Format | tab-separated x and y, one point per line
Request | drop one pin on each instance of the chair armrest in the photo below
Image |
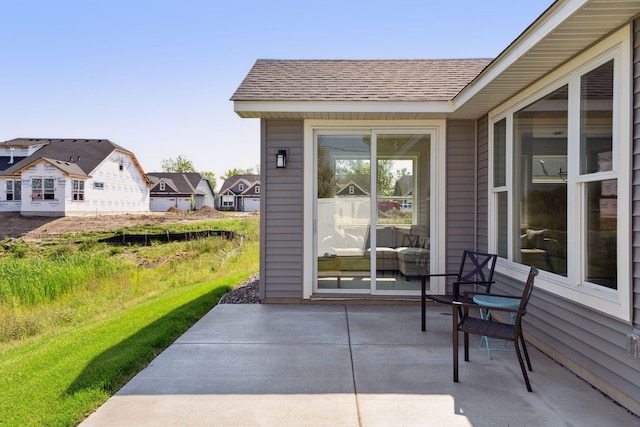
474	282
439	275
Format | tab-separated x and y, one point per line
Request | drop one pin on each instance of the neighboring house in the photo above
67	177
534	155
240	193
12	151
182	190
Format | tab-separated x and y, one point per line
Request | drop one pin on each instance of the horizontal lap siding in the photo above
577	335
636	175
483	185
460	190
282	213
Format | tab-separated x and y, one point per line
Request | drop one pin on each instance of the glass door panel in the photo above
402	245
343	212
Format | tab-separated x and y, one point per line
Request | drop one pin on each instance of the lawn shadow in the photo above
15	225
114	367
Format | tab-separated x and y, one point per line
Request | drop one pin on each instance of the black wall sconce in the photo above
281	159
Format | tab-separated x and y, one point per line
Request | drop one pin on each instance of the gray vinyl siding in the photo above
593	344
460	190
636	175
482	215
282	204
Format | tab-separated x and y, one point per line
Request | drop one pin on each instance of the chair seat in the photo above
487	328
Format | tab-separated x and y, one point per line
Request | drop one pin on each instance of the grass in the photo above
93	336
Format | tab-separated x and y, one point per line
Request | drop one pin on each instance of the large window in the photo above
560	170
42	189
540	141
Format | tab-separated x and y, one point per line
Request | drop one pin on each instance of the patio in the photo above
345	365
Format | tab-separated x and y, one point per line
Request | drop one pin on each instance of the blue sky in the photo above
156	76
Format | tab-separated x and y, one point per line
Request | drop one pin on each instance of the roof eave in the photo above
342	109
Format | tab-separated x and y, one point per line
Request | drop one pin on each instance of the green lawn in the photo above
59	379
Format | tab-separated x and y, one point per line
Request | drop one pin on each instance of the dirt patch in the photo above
14	225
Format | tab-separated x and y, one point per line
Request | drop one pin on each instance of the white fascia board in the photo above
343	106
533	35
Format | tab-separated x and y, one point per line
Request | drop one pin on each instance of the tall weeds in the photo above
42	290
36	280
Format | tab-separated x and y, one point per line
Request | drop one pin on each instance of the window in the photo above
78	189
499	185
228	201
257	189
560	168
363	179
42	189
241	187
98	185
162	186
540	141
14	189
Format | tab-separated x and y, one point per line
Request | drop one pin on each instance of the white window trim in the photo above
438	183
616	303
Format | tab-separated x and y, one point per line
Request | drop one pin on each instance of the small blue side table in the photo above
495	302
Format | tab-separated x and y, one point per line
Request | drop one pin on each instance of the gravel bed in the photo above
245	293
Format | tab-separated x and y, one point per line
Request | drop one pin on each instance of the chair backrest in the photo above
528	288
477	266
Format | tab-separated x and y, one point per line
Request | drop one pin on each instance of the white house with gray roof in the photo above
240	193
182	190
67	177
533	155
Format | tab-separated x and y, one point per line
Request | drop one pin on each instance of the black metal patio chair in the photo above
476	269
508	330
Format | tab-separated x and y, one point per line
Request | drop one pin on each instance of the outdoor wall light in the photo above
281	159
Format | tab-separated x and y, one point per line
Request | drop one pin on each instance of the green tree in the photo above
179	164
235	171
386	180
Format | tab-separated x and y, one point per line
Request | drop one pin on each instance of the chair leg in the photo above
522	368
524	350
466	347
455	346
424	304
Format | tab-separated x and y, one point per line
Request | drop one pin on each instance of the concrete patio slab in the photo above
345	365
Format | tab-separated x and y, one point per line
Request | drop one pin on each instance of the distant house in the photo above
11	152
240	193
67	177
185	191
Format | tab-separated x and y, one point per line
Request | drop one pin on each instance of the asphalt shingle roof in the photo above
182	182
358	80
85	154
233	180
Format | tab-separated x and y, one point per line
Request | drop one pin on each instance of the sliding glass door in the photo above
372	217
